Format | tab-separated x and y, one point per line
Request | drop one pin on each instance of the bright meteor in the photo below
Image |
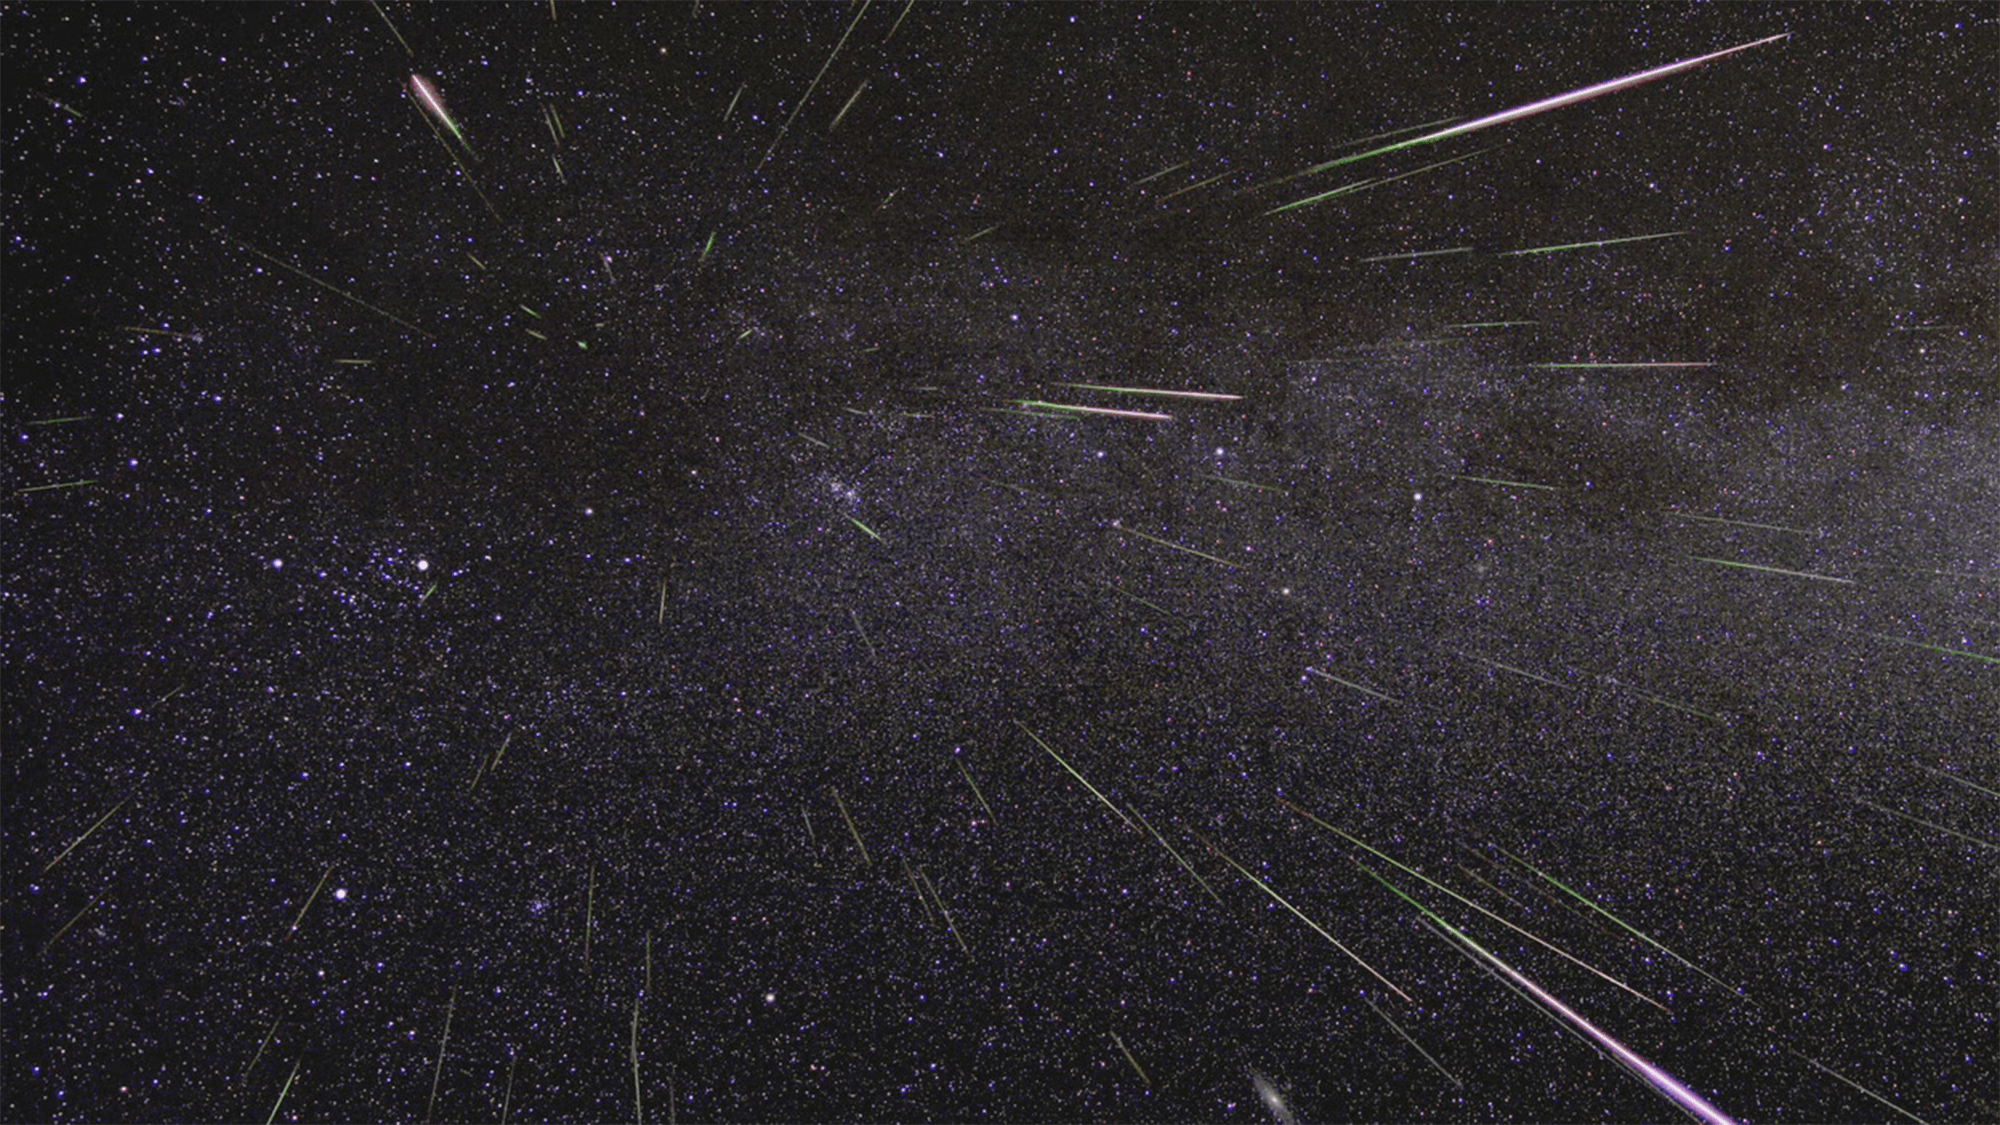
427	97
1532	109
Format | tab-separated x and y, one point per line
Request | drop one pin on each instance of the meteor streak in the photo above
1532	109
1317	928
1666	1084
427	97
1072	772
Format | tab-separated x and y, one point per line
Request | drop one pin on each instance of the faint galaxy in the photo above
586	563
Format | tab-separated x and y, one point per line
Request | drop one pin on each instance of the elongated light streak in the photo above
1203	396
427	97
1558	101
1105	411
1669	1087
1300	915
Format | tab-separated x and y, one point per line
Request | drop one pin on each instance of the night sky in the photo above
619	603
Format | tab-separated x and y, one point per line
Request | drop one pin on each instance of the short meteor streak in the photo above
918	888
1832	1073
280	1103
1317	928
54	487
188	336
1775	570
1217	178
1162	172
1662	700
1588	245
1241	483
1116	528
638	1100
71	924
1937	648
260	1049
1630	366
1104	411
1509	483
438	1073
1511	668
335	290
1932	825
1352	684
1976	787
310	899
1176	854
74	844
981	797
1743	523
1666	1084
392	28
949	924
1122	1049
899	21
842	115
1072	772
864	633
1203	396
1156	607
1364	185
1453	1078
864	527
866	860
1413	255
1559	101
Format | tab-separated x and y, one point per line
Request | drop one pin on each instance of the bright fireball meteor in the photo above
426	95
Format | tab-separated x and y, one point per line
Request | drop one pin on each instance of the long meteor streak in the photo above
1300	915
1669	1087
1582	94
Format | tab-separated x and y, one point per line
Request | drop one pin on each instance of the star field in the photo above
861	563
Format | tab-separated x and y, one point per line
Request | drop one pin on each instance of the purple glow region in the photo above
999	563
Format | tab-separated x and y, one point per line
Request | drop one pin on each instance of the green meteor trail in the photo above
1105	411
1587	901
1364	185
1774	570
1317	928
1072	772
864	527
1203	396
1122	530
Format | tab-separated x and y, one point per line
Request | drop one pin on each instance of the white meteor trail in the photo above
427	97
1531	109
